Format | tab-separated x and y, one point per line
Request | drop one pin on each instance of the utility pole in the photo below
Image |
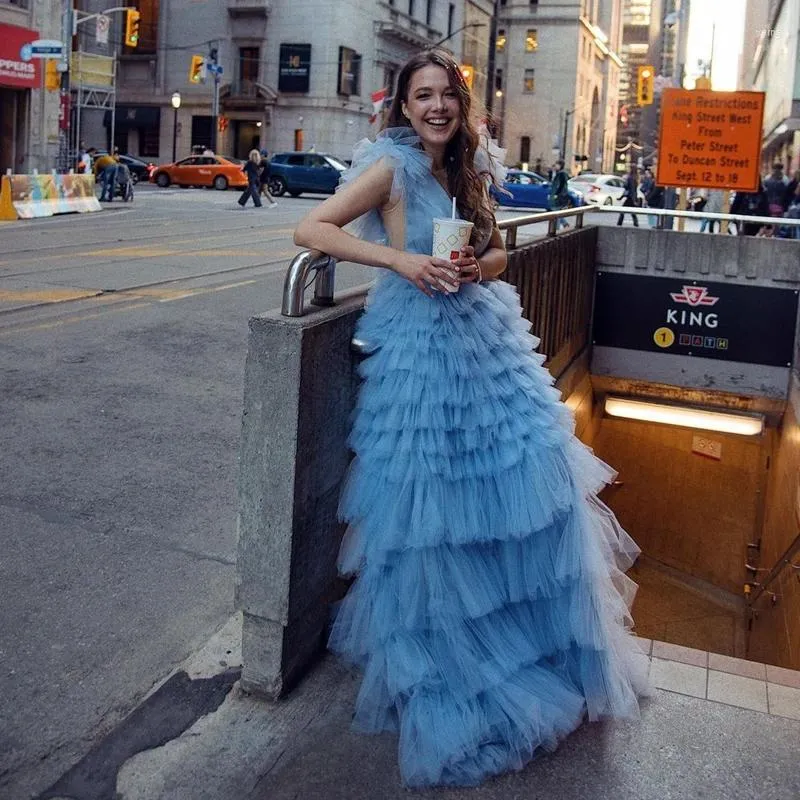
567	115
490	67
63	159
213	57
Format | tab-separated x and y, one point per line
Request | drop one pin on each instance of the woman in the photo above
263	177
485	614
629	196
252	169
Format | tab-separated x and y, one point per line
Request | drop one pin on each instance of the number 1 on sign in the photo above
664	337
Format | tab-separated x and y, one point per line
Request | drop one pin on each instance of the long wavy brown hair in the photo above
463	180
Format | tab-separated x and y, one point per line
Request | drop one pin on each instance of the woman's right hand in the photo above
426	272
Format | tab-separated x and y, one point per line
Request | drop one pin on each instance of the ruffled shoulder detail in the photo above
400	150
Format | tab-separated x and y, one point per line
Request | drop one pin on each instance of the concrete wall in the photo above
299	392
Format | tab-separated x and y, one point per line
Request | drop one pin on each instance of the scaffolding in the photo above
93	80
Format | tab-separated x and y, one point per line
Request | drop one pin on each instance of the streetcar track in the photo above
123	257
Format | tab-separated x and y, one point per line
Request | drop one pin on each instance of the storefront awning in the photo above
134	117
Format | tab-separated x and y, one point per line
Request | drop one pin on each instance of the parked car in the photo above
140	170
602	190
529	189
304	172
221	172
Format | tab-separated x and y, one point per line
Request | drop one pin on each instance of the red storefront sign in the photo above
13	70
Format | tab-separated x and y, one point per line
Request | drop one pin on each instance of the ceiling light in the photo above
723	421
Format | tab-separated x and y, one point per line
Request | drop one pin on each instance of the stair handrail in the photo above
785	560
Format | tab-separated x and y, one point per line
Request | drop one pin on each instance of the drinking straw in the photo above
453	216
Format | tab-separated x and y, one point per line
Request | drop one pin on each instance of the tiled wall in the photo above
775	636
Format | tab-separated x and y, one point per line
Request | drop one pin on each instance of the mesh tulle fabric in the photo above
490	614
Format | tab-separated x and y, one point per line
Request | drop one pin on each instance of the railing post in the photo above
295	284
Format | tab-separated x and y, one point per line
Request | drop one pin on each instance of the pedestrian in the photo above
629	195
751	204
559	192
84	166
654	199
789	194
775	187
263	177
252	168
207	151
714	201
105	168
487	613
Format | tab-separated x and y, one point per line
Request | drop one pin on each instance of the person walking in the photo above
263	177
252	168
714	201
559	192
752	204
488	612
629	195
775	187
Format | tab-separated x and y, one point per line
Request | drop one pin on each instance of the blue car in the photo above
529	190
296	173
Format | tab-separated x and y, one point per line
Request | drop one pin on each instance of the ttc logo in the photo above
694	296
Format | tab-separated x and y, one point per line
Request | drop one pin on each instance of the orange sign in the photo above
710	139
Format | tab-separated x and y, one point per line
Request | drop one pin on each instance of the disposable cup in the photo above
449	236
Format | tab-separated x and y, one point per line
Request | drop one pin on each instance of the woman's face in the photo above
433	107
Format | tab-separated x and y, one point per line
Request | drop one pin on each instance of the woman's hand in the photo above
469	269
427	272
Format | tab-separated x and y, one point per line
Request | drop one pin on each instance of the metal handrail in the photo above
294	285
784	561
324	265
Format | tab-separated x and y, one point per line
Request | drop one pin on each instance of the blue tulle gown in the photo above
490	612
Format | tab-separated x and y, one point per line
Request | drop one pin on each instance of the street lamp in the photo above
176	104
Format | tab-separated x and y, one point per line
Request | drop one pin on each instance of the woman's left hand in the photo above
469	265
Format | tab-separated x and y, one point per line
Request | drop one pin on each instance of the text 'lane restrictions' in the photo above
710	139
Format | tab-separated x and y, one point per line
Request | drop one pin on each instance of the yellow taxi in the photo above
220	172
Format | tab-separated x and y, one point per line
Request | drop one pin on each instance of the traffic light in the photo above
132	17
197	71
469	74
644	87
52	77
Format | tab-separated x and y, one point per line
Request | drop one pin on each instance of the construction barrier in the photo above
29	196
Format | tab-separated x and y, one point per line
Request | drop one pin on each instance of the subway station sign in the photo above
726	321
710	139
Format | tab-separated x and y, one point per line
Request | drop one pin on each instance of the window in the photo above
296	161
529	82
389	74
531	40
349	82
451	12
498	80
534	4
500	41
429	12
410	8
248	63
525	149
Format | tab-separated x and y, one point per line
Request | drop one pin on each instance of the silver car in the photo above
602	190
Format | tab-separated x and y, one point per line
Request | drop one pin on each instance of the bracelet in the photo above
480	273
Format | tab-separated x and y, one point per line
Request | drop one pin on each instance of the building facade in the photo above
773	67
634	54
29	111
557	81
296	74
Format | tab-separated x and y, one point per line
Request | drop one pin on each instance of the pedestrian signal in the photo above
645	85
52	77
197	71
132	17
469	74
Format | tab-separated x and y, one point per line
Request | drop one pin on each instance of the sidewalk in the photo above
699	737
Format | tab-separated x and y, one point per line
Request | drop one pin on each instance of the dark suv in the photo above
304	172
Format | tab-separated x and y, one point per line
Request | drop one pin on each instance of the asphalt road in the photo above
122	346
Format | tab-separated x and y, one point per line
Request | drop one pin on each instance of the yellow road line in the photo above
71	320
45	295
